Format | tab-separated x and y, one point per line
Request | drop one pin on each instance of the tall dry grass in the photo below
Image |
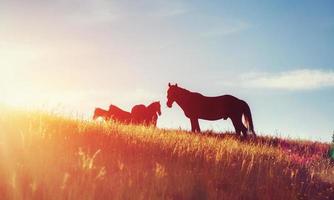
47	156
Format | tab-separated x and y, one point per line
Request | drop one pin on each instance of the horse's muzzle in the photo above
169	104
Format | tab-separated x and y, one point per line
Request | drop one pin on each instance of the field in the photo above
48	156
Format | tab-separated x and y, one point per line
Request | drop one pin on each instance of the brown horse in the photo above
119	115
99	112
146	115
196	106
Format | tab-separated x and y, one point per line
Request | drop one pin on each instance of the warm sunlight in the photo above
38	76
18	86
166	99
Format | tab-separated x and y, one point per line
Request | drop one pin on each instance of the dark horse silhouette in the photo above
196	106
140	114
114	113
119	115
146	115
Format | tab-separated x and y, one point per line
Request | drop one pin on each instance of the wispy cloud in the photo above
166	9
169	12
226	28
95	11
304	79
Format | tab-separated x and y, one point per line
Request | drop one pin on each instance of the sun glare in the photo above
19	82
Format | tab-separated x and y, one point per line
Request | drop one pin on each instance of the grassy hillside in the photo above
45	156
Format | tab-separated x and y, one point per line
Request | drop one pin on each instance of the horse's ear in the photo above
176	84
169	84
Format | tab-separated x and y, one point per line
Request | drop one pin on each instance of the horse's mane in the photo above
183	89
186	92
115	108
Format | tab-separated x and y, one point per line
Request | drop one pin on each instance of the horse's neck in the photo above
116	109
100	111
104	113
183	100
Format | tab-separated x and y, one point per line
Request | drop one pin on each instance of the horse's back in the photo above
214	107
144	115
139	113
138	108
225	97
119	114
223	100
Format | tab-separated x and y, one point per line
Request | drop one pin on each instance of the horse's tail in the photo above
248	117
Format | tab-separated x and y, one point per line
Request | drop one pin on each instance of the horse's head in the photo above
171	94
96	115
98	112
157	107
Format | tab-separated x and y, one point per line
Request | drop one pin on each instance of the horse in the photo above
196	106
146	115
119	115
99	112
154	110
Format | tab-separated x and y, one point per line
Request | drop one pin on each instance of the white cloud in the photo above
304	79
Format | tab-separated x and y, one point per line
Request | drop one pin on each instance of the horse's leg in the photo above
243	129
236	126
155	119
239	126
195	125
192	124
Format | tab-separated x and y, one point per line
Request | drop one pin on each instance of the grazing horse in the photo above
146	115
119	115
99	112
196	106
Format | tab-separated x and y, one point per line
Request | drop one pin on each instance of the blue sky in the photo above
78	54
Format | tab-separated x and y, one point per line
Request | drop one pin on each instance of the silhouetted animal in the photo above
119	115
99	112
146	115
196	106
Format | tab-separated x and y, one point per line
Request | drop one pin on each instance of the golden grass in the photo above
47	156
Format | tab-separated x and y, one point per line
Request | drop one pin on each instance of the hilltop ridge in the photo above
50	157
